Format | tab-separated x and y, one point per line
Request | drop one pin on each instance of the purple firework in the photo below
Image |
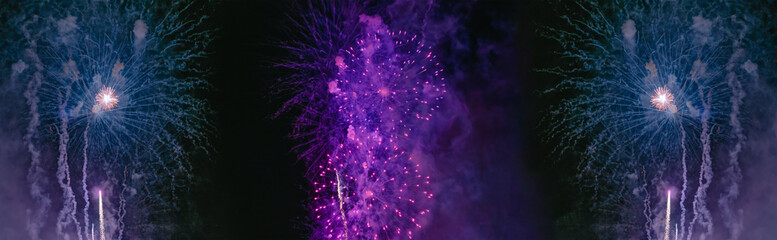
361	109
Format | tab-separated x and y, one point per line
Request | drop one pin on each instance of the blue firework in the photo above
647	89
117	87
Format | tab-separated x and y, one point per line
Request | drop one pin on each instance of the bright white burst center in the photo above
106	99
662	99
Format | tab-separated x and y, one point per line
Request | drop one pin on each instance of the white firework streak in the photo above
83	181
733	174
668	214
67	214
685	185
102	218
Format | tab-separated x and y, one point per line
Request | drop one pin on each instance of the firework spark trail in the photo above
668	214
65	28
35	173
733	174
340	202
701	212
685	184
83	181
122	204
102	218
67	214
647	210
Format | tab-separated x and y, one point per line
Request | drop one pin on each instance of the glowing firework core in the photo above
106	99
662	99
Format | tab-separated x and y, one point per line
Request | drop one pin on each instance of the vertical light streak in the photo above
102	224
35	172
702	214
732	175
67	214
647	210
340	198
685	183
122	211
668	214
83	180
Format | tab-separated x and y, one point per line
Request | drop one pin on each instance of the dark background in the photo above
257	186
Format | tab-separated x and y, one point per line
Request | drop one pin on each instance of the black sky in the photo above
255	183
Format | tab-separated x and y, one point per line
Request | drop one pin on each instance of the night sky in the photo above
495	168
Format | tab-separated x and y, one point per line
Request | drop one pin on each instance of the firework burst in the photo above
662	99
374	90
652	86
113	84
106	99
